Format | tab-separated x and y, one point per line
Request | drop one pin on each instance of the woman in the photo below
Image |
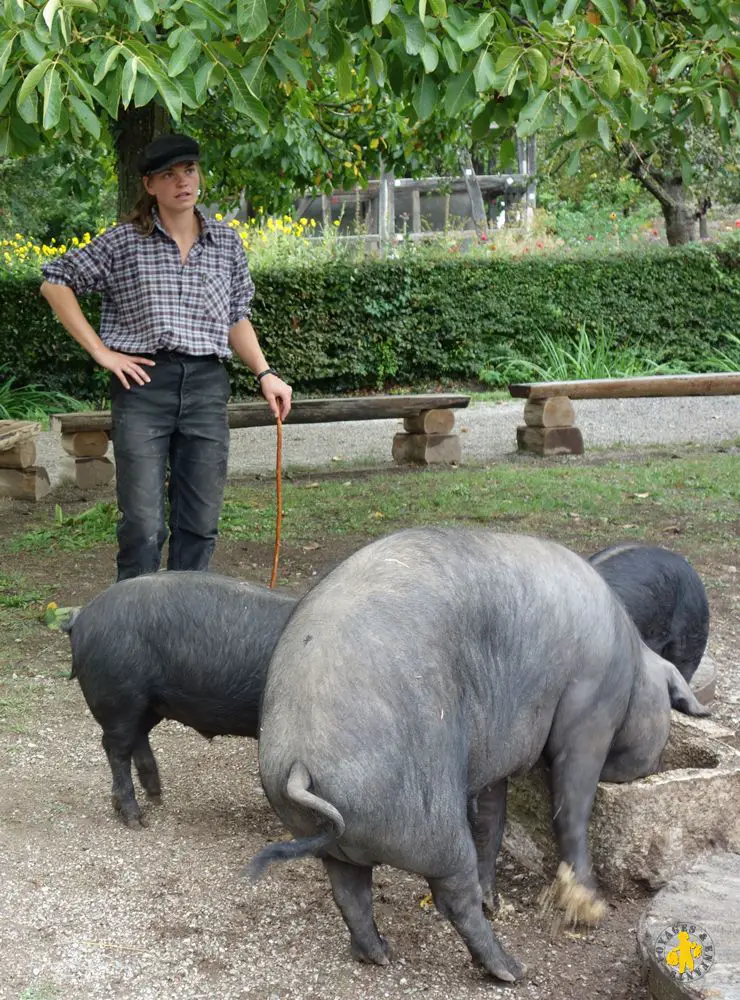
176	302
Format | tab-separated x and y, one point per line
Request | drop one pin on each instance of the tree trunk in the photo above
680	217
135	128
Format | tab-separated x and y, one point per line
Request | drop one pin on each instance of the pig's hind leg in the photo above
144	759
352	886
576	751
459	898
487	818
119	742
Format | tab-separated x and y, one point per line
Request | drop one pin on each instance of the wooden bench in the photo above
549	416
20	477
427	438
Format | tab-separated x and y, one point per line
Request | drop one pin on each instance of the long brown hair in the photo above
141	216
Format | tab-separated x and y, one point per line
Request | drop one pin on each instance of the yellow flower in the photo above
63	248
303	222
87	237
613	216
219	217
312	223
52	606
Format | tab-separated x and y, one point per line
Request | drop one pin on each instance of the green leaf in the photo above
686	171
211	12
344	77
128	81
52	99
482	122
507	156
531	115
86	117
14	12
251	18
439	7
28	109
88	5
574	162
422	10
104	66
430	57
539	65
724	102
569	9
633	71
416	36
6	93
145	9
459	92
549	7
32	80
6	143
682	60
509	55
49	12
452	54
290	62
245	101
297	22
425	98
33	46
183	54
378	66
379	10
532	11
201	79
484	73
144	91
611	82
604	134
638	115
6	47
477	34
608	9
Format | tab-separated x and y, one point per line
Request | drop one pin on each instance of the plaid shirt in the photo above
154	302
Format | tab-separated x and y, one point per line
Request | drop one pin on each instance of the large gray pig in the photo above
187	646
416	678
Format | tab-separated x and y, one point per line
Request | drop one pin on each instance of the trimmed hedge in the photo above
342	326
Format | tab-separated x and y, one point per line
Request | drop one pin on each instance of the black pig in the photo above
665	597
187	646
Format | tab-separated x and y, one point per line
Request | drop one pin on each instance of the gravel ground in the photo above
92	911
488	429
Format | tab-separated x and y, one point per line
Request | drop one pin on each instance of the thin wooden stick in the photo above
279	500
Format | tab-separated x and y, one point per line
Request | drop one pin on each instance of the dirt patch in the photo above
92	910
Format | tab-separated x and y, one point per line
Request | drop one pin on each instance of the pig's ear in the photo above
682	697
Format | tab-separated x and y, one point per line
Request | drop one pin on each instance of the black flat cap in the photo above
167	150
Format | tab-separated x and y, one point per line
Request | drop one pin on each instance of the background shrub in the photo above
338	325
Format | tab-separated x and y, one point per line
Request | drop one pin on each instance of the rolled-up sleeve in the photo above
242	286
84	270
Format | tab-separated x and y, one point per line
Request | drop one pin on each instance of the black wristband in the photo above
267	371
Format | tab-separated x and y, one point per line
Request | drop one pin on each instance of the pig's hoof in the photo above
375	955
132	817
506	968
155	798
578	903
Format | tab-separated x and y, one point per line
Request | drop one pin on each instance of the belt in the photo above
172	356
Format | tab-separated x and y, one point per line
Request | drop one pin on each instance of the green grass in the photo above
43	991
596	355
30	402
705	488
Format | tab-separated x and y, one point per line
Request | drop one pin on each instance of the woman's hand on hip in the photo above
124	366
278	394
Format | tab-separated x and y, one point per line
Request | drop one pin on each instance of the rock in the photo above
702	904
